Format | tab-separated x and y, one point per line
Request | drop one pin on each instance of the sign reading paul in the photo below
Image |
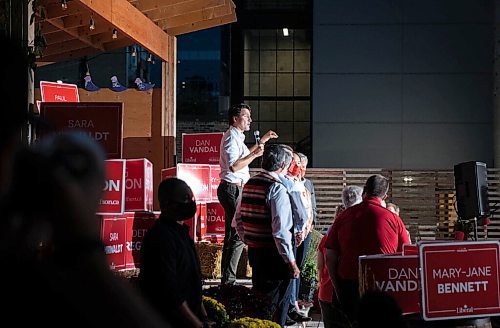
460	280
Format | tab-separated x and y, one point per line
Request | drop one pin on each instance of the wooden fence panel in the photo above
426	198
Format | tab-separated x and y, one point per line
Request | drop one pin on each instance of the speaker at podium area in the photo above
471	190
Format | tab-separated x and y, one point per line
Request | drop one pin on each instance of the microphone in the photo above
256	135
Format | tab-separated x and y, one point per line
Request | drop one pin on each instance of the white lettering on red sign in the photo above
80	124
113	249
113	236
484	271
112	185
399	280
133	183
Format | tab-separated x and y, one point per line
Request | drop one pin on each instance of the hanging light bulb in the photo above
134	52
64	4
115	33
150	58
92	23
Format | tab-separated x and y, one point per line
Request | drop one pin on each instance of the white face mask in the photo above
383	203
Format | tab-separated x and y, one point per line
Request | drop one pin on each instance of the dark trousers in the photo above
300	258
270	275
229	196
348	291
332	315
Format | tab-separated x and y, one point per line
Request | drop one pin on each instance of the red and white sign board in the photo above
460	279
394	274
197	177
113	198
138	223
410	249
198	224
114	238
101	121
215	219
59	92
201	148
214	181
138	185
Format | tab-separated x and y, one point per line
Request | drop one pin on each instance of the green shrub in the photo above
247	322
216	312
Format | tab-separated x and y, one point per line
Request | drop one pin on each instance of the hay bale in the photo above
210	256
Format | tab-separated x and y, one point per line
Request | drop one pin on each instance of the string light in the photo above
115	34
92	23
64	4
134	52
150	58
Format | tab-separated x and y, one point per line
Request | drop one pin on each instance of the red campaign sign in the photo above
410	249
197	177
59	92
460	279
113	198
394	274
214	181
101	121
138	185
201	148
138	223
198	223
114	236
215	219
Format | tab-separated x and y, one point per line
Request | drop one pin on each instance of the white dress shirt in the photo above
232	148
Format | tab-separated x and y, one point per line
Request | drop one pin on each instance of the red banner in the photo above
197	177
113	198
394	274
201	148
114	236
139	185
138	223
215	219
460	279
214	181
101	121
59	92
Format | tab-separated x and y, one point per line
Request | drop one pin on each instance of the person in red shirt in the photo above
351	195
364	229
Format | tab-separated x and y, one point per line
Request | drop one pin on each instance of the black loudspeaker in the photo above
471	189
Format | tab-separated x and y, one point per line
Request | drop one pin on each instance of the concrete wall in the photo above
402	84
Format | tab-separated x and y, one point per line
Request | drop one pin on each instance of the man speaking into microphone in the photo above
235	157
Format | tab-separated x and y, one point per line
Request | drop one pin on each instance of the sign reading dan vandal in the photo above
201	148
460	279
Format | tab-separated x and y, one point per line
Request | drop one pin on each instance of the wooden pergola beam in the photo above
151	5
203	24
132	23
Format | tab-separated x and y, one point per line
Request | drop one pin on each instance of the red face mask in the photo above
294	169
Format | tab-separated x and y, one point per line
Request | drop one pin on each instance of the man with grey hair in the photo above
377	231
264	222
351	195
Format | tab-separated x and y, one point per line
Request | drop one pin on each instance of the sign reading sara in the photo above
201	148
101	121
460	279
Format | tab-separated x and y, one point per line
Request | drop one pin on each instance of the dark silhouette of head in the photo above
376	186
379	309
176	199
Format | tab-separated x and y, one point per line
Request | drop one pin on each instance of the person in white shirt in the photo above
235	157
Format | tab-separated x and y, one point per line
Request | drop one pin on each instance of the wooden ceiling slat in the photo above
201	25
182	9
59	23
59	36
151	5
63	47
197	16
